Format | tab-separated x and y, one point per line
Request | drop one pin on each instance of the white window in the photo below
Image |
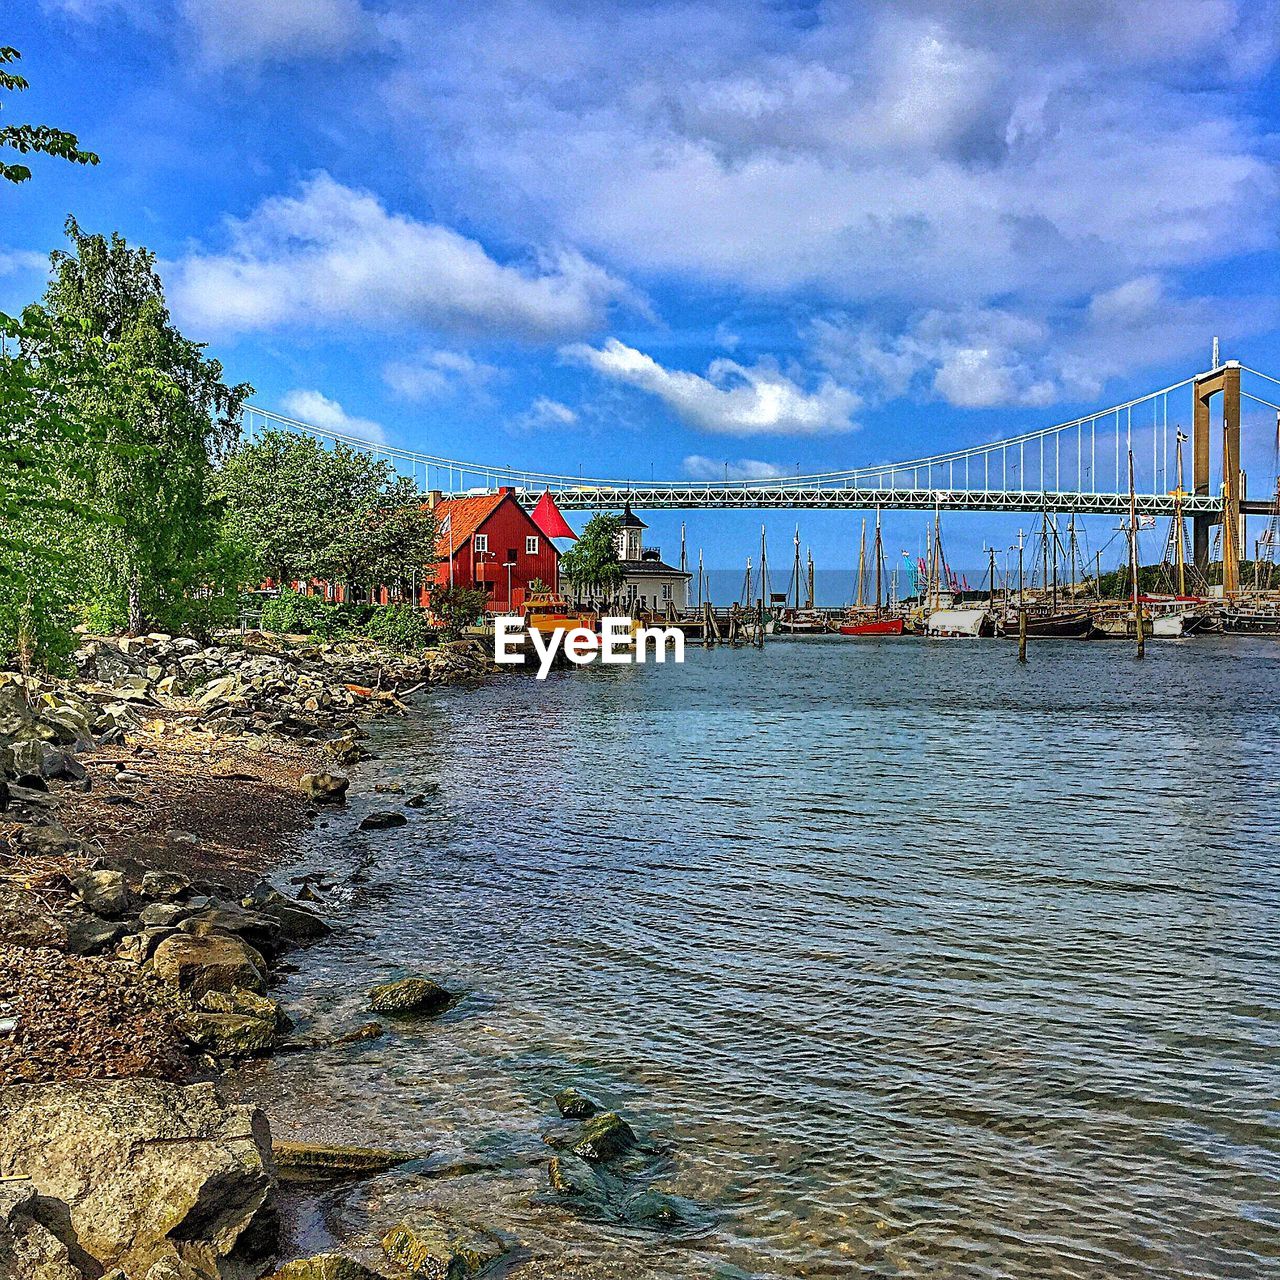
666	591
531	545
480	542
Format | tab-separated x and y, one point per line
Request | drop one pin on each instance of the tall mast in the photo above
879	559
1133	558
809	593
795	571
684	563
862	562
699	577
1179	558
764	569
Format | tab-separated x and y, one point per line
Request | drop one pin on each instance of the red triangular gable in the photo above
546	515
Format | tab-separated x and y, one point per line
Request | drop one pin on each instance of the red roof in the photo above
546	515
465	516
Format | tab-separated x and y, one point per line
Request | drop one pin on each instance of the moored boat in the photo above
958	623
872	627
547	612
1075	624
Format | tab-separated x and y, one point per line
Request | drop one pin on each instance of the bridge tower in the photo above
1223	379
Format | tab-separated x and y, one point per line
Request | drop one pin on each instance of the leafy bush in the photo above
399	626
300	614
457	607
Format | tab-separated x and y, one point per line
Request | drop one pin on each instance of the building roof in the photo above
652	569
465	516
630	520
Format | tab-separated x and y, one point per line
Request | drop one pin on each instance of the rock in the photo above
655	1208
261	932
297	924
575	1178
430	1248
102	892
228	1035
164	885
603	1137
69	769
163	915
248	1003
574	1105
409	995
325	788
4	793
26	922
138	948
322	1162
213	962
324	1266
151	1173
389	788
89	935
35	758
47	842
28	1249
416	801
382	821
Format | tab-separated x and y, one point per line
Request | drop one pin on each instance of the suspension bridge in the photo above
1083	466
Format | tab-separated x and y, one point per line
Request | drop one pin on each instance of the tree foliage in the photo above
32	139
592	564
336	514
457	607
163	413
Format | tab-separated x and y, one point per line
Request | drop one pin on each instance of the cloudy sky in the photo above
678	239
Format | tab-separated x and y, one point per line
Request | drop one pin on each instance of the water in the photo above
914	962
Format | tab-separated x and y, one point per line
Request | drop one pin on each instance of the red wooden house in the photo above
491	542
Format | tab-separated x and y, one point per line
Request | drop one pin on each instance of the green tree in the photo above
32	139
273	489
166	413
457	607
592	564
402	537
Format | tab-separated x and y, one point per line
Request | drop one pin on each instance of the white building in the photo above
649	585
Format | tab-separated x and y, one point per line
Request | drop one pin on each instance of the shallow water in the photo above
911	961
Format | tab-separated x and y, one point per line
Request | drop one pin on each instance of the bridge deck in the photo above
694	497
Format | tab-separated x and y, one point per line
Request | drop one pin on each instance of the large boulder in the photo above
28	1249
325	787
429	1248
155	1178
102	892
603	1137
325	1266
212	962
409	995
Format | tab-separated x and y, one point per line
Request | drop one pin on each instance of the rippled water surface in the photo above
913	962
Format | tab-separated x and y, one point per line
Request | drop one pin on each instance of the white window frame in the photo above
480	542
666	591
531	544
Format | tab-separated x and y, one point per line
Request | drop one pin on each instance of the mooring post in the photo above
1022	632
759	622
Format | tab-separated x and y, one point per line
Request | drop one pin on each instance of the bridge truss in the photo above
1078	466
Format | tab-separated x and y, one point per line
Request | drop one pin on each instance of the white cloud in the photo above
332	255
317	410
14	261
930	152
546	413
993	357
697	467
252	31
432	374
732	399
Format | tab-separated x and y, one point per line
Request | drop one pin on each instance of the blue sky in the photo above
659	239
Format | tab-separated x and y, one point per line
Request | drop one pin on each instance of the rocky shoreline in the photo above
140	803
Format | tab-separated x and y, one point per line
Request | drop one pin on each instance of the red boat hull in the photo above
880	627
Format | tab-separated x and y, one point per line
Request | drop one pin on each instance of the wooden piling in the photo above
1022	633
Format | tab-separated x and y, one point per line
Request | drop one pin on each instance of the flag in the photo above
546	515
447	523
1146	522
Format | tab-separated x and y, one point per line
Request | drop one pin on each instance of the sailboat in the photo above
1048	619
943	621
795	619
864	620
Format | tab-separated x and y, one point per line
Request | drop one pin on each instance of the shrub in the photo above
300	614
399	626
